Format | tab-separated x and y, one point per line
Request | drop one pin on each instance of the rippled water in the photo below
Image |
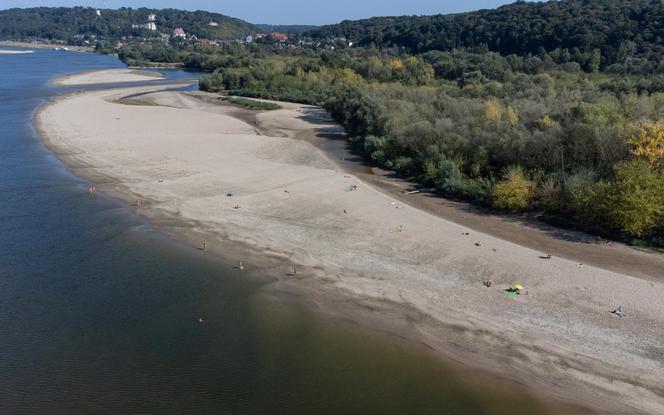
98	313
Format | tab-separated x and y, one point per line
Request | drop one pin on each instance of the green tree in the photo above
634	201
595	60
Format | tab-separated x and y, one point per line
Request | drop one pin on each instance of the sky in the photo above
313	12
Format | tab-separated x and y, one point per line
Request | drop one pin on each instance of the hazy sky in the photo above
286	11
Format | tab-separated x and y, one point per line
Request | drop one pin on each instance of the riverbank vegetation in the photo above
251	104
515	133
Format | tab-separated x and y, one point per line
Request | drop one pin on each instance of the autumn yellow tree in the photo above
348	76
647	140
396	64
511	116
546	122
514	192
493	111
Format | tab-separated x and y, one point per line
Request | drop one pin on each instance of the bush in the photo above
251	104
515	192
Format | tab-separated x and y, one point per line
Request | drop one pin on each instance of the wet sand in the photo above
363	254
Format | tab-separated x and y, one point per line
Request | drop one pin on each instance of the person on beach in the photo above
204	246
619	311
241	266
294	270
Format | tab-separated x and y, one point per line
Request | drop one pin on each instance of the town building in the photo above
279	37
179	32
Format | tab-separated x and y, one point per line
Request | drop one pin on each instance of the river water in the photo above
99	312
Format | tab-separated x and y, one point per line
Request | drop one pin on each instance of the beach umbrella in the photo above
518	287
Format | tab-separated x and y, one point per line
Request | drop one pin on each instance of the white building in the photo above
149	25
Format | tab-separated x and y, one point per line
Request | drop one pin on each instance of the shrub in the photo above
515	192
251	104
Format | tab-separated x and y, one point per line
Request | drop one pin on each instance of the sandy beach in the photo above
253	187
107	77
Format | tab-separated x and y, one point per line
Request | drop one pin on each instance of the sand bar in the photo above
109	76
182	154
15	52
39	45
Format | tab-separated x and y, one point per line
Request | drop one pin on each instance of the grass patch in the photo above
251	104
145	102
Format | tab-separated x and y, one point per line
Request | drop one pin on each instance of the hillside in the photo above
63	23
289	29
618	28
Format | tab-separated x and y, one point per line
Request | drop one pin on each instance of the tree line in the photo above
598	33
70	24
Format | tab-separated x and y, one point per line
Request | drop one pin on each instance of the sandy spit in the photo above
108	76
15	52
182	155
36	45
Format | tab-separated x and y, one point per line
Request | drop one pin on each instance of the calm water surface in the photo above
98	313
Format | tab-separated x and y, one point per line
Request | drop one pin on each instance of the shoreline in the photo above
449	334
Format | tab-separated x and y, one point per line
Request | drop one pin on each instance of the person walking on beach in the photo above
204	246
241	266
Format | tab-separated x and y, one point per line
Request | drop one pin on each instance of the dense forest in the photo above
616	30
67	24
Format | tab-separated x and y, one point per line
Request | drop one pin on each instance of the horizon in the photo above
286	12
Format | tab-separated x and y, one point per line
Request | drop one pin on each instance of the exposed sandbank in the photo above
15	52
109	76
38	45
182	157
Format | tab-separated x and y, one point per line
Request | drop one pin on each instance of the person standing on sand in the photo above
204	246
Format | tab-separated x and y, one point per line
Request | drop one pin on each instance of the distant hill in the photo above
615	27
64	23
288	29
